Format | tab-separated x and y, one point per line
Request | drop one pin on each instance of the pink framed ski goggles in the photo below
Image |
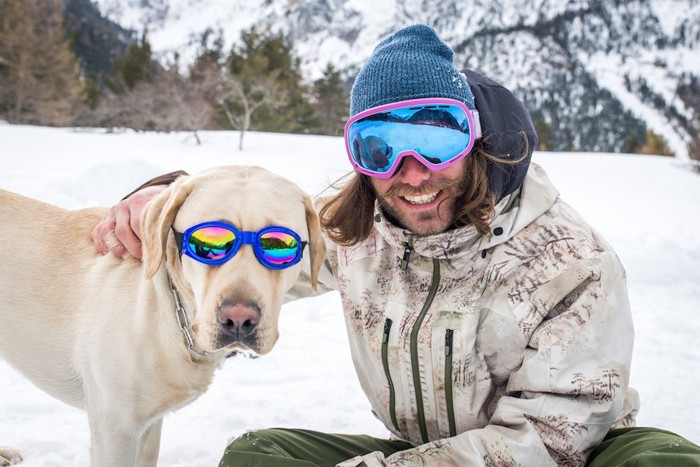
438	132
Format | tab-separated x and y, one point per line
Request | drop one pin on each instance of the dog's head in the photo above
234	305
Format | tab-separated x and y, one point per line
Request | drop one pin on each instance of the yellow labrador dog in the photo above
130	341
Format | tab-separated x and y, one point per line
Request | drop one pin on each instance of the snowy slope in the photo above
645	206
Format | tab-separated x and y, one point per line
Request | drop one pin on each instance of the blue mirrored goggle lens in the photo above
439	133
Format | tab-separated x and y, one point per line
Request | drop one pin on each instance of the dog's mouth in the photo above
242	353
248	346
228	345
245	343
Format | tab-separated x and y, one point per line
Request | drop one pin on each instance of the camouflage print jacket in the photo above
500	350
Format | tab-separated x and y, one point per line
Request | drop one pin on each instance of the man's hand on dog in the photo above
119	231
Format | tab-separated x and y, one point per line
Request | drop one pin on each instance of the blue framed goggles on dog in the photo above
216	242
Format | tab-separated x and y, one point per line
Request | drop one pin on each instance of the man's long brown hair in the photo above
347	216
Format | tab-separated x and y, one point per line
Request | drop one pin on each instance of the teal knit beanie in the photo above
413	63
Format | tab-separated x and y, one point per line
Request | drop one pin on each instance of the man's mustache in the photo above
404	189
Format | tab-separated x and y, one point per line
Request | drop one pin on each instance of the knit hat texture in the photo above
413	63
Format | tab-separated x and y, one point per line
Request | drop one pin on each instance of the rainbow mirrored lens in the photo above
279	248
211	243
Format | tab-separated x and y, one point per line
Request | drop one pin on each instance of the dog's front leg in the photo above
113	444
149	445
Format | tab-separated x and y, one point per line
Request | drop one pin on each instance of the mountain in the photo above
98	42
596	75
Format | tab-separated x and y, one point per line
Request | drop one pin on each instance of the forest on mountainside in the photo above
63	64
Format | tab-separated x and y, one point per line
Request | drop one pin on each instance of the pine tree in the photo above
136	66
544	135
689	91
655	144
39	79
332	102
265	83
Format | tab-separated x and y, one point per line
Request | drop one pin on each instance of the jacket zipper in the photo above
385	364
414	349
407	252
448	382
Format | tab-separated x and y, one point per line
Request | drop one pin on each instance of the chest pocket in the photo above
469	375
461	378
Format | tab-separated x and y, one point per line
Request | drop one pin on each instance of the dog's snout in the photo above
238	320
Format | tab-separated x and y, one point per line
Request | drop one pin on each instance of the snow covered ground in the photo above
646	206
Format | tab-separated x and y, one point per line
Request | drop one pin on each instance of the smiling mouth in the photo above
424	198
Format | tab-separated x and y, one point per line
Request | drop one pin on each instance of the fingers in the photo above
114	234
101	231
129	243
119	231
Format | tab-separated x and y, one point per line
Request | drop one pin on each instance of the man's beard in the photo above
453	187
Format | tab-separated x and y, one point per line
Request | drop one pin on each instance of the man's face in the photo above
419	199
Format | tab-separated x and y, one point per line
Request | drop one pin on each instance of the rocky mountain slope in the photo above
596	74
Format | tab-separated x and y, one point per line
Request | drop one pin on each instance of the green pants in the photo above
280	447
644	447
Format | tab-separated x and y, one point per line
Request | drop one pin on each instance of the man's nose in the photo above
412	171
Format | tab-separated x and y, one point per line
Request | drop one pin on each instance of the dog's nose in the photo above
238	320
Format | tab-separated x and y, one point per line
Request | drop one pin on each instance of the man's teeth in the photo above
421	199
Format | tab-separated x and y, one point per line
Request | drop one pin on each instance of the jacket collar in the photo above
458	246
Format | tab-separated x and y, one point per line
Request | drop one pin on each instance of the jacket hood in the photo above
507	132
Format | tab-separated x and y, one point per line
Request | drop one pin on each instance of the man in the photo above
488	323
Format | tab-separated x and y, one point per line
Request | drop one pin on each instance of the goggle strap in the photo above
477	123
179	238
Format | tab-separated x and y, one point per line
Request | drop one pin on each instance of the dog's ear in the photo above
316	241
156	220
